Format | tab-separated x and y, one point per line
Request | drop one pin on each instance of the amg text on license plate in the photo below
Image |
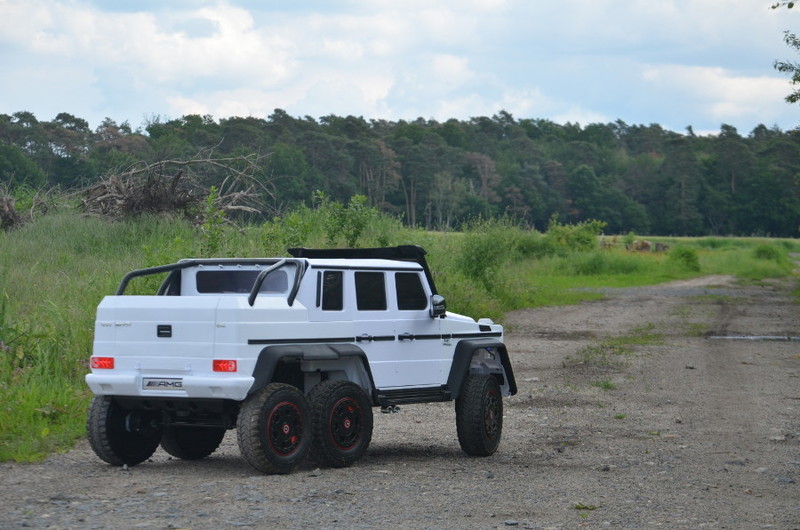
162	383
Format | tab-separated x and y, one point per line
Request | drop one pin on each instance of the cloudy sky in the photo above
672	62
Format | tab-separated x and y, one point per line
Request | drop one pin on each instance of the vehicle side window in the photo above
370	291
410	294
332	297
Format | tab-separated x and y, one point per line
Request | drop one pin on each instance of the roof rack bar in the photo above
413	253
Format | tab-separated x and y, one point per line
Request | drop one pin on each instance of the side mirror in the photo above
438	306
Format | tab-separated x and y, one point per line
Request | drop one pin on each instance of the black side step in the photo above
413	395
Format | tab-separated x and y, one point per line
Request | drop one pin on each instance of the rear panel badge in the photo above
161	383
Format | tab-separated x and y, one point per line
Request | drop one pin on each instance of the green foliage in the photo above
38	414
17	170
344	223
684	258
634	178
713	243
769	252
790	67
295	229
613	351
605	384
213	224
628	239
564	239
596	263
486	245
330	223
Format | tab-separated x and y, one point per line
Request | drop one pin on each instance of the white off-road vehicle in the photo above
292	352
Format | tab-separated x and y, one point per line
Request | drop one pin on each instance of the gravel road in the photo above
693	432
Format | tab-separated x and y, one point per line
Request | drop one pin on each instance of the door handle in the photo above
406	336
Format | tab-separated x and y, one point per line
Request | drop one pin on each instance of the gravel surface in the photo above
691	433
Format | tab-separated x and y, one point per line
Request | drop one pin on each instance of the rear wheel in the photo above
119	436
342	415
479	415
191	443
274	428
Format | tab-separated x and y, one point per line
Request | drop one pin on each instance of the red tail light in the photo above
225	365
103	363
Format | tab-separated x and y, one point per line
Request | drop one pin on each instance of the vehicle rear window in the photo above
240	281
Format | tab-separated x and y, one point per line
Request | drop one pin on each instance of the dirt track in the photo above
696	432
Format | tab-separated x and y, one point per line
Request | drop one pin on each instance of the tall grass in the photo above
54	272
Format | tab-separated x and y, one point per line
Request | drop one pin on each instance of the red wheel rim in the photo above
344	423
285	428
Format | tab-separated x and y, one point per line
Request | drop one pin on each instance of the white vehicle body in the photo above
163	346
225	338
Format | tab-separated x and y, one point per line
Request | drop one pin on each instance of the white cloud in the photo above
141	43
575	60
581	116
725	95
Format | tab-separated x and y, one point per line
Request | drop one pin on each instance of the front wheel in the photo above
191	443
479	415
342	415
274	428
119	436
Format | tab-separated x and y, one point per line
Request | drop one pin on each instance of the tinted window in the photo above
370	291
240	281
332	297
225	281
410	294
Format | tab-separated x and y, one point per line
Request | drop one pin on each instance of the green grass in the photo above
615	351
605	384
54	272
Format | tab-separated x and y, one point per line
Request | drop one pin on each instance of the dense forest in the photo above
635	178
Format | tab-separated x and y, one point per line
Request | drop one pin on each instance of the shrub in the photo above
565	239
768	252
684	258
346	222
486	246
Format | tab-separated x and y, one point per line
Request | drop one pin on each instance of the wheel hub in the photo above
345	422
285	428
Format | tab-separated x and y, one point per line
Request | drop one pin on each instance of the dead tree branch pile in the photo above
179	187
9	217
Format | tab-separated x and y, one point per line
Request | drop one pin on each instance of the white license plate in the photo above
162	383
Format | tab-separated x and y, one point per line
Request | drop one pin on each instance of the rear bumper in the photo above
189	386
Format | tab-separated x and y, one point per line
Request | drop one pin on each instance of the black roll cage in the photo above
273	264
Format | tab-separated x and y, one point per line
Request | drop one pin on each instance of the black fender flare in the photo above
270	356
462	357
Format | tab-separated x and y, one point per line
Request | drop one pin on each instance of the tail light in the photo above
225	365
102	363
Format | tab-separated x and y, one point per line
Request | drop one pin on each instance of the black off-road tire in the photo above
191	443
274	428
342	415
479	415
118	436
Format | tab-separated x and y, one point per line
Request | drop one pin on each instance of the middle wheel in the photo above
342	419
273	428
